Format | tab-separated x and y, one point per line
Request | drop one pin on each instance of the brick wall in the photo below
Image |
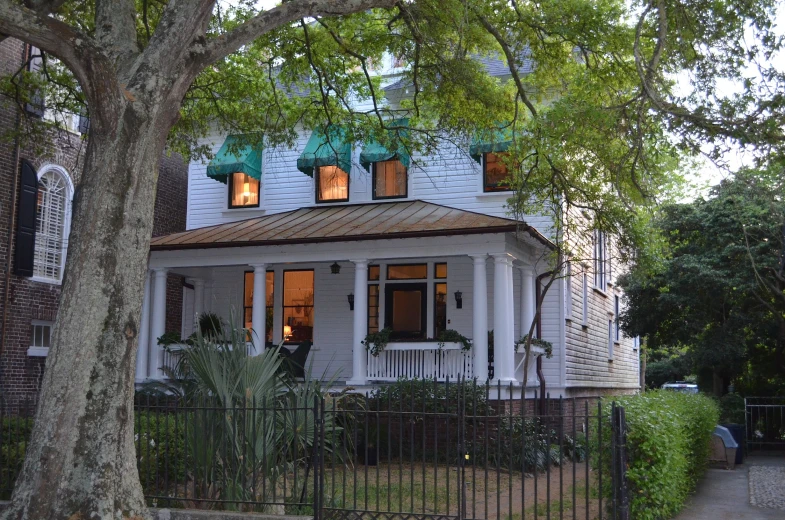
27	300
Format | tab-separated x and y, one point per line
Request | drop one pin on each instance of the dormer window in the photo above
389	180
495	173
332	184
243	191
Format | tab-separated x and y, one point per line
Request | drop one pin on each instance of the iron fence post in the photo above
621	498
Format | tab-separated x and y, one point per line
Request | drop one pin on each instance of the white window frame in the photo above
600	264
38	350
585	302
616	309
568	292
69	186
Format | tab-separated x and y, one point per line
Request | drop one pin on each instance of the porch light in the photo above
350	297
458	300
335	268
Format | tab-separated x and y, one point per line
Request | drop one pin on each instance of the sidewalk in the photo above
725	495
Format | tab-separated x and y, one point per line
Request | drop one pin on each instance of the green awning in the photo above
238	154
373	151
326	150
491	141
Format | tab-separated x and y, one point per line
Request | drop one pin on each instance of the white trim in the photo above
38	351
422	345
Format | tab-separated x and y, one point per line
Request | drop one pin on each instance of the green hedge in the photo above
668	442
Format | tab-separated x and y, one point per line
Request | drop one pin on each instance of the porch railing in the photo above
421	360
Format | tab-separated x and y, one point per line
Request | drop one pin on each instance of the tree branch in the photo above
115	30
510	62
78	51
205	53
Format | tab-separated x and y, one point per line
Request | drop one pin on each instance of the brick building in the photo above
29	293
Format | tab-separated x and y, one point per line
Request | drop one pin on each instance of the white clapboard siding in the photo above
451	178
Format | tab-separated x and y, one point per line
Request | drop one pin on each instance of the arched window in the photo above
53	223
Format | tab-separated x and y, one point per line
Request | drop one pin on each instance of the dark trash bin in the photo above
737	430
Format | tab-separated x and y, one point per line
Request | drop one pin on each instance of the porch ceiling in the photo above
344	223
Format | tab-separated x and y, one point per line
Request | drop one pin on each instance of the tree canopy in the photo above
589	97
720	292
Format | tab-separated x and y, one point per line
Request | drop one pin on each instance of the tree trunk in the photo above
81	461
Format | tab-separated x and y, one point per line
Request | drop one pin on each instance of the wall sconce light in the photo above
350	297
335	268
458	300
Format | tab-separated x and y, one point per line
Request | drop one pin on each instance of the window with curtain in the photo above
52	216
243	191
298	299
332	184
389	180
495	172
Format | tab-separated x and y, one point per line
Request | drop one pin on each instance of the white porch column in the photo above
198	284
158	319
528	302
480	318
258	314
359	355
143	350
503	326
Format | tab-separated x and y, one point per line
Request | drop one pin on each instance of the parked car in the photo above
681	386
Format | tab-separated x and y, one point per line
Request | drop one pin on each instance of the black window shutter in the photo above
24	252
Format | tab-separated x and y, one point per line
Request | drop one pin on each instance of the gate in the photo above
765	423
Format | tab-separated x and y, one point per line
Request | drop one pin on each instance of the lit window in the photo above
332	184
373	308
407	272
440	309
243	191
389	180
298	306
51	234
405	310
248	304
441	271
373	272
495	172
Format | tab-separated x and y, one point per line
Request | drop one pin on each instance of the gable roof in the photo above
403	219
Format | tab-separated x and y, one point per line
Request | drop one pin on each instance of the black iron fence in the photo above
419	450
765	423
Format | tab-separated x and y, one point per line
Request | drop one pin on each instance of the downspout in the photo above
12	215
540	375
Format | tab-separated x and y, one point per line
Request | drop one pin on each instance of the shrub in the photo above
160	449
668	443
15	435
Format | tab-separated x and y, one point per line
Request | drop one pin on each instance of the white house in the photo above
327	241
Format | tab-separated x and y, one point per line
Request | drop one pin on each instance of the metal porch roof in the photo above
406	219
